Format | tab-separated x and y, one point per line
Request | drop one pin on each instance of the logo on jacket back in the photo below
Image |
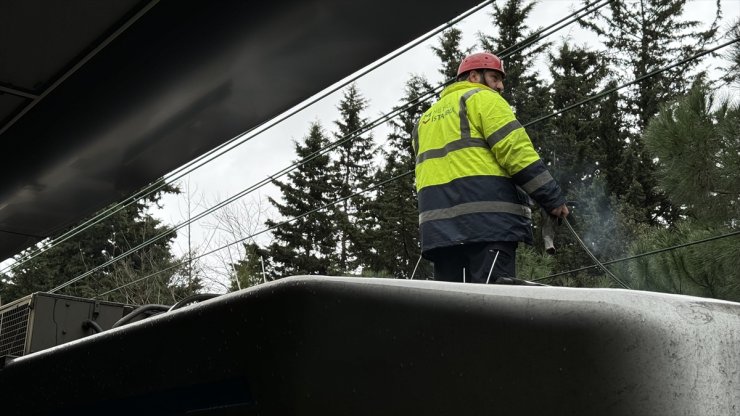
437	115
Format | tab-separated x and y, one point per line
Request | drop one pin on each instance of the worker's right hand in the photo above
560	212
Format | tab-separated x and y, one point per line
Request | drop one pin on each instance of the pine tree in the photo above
396	235
732	72
583	149
710	269
696	143
249	271
449	53
644	36
353	172
524	91
304	244
573	145
150	274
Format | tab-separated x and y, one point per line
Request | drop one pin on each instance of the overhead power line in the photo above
241	240
236	141
352	135
222	149
649	253
244	137
348	137
372	188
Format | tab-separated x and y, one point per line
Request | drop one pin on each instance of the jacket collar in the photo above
463	85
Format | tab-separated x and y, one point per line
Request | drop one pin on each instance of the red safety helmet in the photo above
482	60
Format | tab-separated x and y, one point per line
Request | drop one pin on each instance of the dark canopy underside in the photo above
99	98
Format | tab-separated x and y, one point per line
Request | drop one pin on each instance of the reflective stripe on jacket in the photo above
472	155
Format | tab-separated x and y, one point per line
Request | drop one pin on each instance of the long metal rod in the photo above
610	274
492	265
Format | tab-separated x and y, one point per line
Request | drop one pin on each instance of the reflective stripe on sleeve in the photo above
501	133
535	183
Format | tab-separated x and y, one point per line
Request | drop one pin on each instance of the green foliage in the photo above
523	90
648	35
249	271
709	269
697	144
643	37
732	72
531	264
353	172
395	235
449	53
306	243
577	139
149	274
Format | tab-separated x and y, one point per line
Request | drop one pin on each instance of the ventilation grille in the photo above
13	330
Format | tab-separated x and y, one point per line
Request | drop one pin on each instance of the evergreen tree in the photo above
586	153
710	269
696	144
643	37
396	234
573	146
524	91
732	72
353	172
646	35
249	271
449	53
305	245
148	275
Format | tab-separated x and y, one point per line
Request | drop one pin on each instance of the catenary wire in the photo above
351	135
649	253
280	224
347	138
244	192
213	154
379	121
598	263
237	141
549	30
376	186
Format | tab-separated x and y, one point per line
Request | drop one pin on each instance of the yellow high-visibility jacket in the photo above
473	159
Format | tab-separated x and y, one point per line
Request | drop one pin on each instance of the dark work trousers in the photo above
472	262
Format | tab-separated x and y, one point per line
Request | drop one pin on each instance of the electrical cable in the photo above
649	253
218	151
351	135
239	140
590	254
540	34
269	179
235	196
241	240
90	324
144	309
